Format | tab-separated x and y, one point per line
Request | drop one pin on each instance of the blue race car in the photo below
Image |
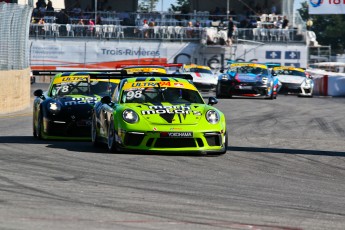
247	79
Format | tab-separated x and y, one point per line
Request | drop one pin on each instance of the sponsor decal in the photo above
178	84
150	84
81	101
130	52
159	109
175	129
316	3
176	134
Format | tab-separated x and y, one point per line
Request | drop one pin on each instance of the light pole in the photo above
95	11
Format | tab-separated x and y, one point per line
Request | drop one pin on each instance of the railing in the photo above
206	35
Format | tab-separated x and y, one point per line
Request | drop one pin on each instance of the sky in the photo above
166	4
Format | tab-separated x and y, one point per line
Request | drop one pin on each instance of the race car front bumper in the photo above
172	141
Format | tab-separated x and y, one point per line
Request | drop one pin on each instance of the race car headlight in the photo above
264	80
54	107
212	116
308	81
130	116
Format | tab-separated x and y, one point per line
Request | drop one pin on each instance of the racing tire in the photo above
218	92
94	135
34	132
270	97
112	145
39	127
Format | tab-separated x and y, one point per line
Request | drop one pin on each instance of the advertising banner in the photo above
326	7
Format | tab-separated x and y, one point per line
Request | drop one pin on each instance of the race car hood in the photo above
291	79
77	100
241	77
163	114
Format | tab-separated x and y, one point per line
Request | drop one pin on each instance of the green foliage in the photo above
147	5
181	5
328	28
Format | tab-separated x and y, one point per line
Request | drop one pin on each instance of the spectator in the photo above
41	21
99	20
50	9
62	17
145	30
189	29
285	23
80	27
230	31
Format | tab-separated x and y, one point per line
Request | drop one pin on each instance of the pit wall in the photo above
14	90
328	83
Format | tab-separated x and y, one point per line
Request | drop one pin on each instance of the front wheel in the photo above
218	92
94	135
112	145
38	130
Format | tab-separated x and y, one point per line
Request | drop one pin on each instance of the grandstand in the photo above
88	39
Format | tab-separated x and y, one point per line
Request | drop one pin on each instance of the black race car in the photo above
64	110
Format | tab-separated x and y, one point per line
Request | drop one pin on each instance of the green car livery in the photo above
159	113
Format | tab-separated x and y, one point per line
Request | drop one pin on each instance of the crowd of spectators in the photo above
247	18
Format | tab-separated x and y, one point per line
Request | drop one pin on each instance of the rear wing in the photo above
80	72
108	74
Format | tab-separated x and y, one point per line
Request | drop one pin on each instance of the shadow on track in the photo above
287	151
87	147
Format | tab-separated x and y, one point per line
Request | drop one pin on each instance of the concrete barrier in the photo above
328	83
14	90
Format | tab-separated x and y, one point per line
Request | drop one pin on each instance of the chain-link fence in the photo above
14	36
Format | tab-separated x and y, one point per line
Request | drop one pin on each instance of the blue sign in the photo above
292	55
273	54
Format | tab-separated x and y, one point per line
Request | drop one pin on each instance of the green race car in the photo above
159	113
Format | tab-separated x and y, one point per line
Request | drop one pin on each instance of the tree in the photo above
181	5
147	5
328	28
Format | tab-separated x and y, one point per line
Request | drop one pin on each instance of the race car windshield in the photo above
248	70
157	95
291	73
199	70
101	88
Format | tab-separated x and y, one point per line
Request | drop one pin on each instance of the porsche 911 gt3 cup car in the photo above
64	110
247	79
159	113
294	80
203	77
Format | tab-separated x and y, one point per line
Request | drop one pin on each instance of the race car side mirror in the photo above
212	100
38	93
106	100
